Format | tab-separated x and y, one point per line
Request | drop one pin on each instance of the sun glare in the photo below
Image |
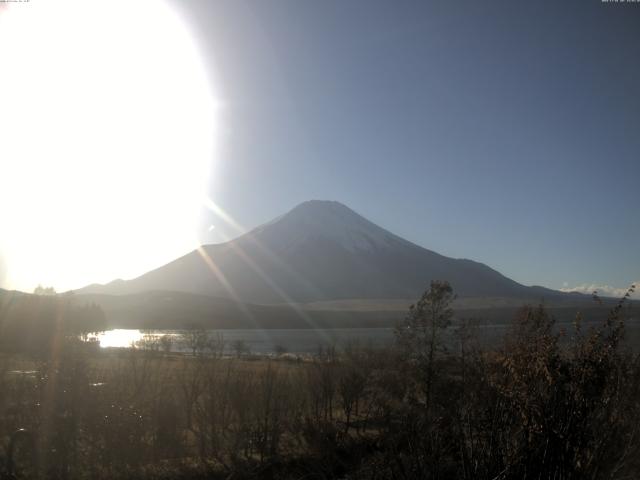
107	129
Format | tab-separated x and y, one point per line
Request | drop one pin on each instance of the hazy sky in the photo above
507	132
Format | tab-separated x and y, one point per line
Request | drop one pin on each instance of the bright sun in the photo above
107	127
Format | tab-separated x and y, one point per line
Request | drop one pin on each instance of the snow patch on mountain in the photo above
328	220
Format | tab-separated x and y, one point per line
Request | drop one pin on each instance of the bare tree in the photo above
420	335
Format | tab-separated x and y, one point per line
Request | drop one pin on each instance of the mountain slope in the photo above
319	251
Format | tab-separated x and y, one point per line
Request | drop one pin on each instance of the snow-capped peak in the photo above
328	220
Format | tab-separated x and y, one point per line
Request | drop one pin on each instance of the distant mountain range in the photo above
320	251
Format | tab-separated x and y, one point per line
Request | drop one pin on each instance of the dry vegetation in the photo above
547	404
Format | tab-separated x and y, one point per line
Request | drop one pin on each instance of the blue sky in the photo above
505	132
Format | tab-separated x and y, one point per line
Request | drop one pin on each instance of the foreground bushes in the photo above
548	404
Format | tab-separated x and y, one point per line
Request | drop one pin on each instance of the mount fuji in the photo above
320	251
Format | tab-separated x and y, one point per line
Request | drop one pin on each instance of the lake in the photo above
308	341
301	341
298	341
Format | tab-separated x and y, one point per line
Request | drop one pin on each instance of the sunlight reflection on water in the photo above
119	338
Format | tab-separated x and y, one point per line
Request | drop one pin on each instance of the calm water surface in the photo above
263	341
299	341
308	341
